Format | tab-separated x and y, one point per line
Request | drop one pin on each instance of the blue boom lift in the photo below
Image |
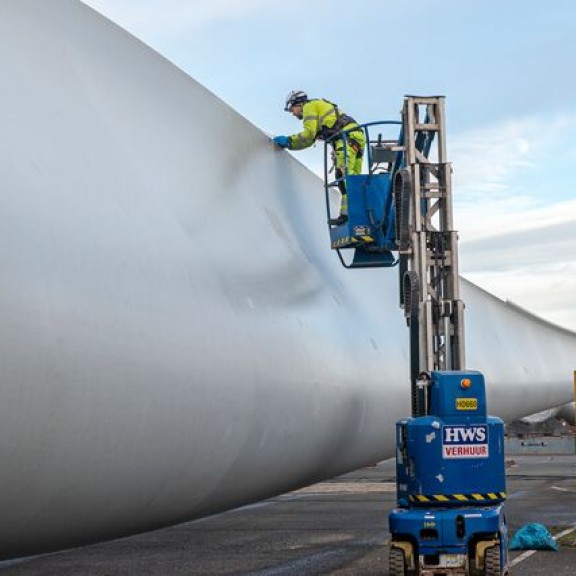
450	473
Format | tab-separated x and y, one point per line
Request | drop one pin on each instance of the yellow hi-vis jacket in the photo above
321	119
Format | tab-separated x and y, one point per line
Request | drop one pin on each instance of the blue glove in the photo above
281	141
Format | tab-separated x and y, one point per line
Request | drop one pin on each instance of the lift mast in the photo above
428	246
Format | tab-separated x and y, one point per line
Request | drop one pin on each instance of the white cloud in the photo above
547	292
484	164
504	216
484	160
516	213
505	176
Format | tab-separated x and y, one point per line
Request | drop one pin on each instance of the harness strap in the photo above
342	120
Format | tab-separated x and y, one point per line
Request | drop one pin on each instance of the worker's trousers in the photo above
348	162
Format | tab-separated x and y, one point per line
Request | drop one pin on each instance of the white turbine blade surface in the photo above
177	337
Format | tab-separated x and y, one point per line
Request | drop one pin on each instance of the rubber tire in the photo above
396	563
492	562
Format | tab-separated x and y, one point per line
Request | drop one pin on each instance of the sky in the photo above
505	68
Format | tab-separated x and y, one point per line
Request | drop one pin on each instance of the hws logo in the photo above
465	441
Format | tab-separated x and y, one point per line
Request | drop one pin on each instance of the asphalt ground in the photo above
337	527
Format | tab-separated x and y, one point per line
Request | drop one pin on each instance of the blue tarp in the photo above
533	537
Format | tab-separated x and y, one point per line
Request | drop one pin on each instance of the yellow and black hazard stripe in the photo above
457	498
342	242
351	240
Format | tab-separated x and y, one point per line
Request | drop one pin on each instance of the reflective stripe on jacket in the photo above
321	119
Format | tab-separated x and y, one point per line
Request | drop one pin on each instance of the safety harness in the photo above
342	120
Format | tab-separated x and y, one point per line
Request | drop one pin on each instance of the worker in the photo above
323	120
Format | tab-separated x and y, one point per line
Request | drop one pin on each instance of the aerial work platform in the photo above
370	229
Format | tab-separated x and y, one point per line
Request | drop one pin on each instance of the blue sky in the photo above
506	69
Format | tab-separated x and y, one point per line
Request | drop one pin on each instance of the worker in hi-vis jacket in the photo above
322	120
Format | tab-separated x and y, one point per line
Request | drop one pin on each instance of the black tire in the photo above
492	562
396	563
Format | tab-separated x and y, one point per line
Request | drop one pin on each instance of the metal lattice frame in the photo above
430	251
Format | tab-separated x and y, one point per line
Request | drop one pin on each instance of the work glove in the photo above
281	141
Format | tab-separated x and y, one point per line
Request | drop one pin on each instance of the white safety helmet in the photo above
295	97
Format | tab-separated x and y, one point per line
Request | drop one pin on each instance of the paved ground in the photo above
337	527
